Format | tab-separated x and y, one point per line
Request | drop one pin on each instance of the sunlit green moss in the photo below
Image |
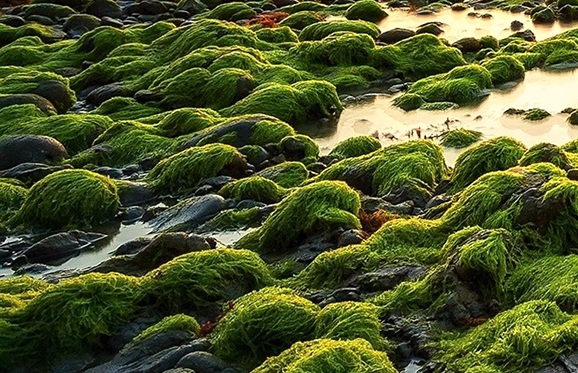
286	174
320	30
176	322
460	138
255	188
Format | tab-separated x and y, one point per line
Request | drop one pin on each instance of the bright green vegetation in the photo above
531	334
460	138
176	322
416	165
350	320
302	19
327	355
184	170
419	56
367	10
60	200
123	108
263	324
320	30
329	204
536	114
286	174
338	49
496	154
462	84
355	147
201	278
310	149
255	188
545	152
234	219
504	69
12	196
282	34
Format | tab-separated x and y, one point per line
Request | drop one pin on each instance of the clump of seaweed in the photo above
255	188
176	322
286	174
367	10
460	138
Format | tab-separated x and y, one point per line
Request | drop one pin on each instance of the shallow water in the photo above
459	25
549	90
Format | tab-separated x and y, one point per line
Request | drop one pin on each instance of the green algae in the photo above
531	334
301	19
124	108
349	321
496	154
286	174
339	48
185	121
11	198
366	10
504	69
463	84
536	114
355	147
47	34
263	324
255	188
460	138
545	152
234	219
184	170
419	56
282	34
59	200
329	204
203	278
294	104
180	322
320	30
327	355
230	11
310	149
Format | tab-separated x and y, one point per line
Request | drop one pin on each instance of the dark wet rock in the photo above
143	96
30	173
248	204
28	98
132	194
54	12
572	174
218	182
189	213
433	28
158	353
544	16
179	370
14	21
461	306
516	25
405	193
106	92
205	362
415	332
58	246
57	93
351	237
316	167
152	7
325	297
104	8
15	150
43	20
486	16
536	209
132	214
568	13
437	200
255	154
526	35
372	204
394	35
459	7
112	22
31	269
113	173
468	44
182	14
203	190
567	363
387	278
133	246
78	24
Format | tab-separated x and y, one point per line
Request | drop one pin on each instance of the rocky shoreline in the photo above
188	119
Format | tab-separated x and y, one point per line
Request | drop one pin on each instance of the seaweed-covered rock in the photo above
536	114
255	188
12	196
339	48
394	35
459	138
286	174
462	84
545	152
300	20
367	10
15	150
504	69
327	355
299	147
189	213
546	15
69	198
355	147
320	30
263	324
176	322
419	56
496	154
185	169
330	203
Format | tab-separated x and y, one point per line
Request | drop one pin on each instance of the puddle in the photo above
549	90
459	25
229	238
412	367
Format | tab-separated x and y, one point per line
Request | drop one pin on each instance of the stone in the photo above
28	98
101	94
516	25
468	44
57	93
18	149
394	35
204	362
30	173
104	8
544	16
433	28
78	24
189	213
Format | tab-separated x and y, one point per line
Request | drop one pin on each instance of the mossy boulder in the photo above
230	11
329	204
282	34
180	322
327	355
367	10
459	138
299	148
496	154
286	174
340	48
546	15
69	198
504	69
320	30
184	170
355	147
302	19
255	188
12	196
263	324
463	84
545	152
52	11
